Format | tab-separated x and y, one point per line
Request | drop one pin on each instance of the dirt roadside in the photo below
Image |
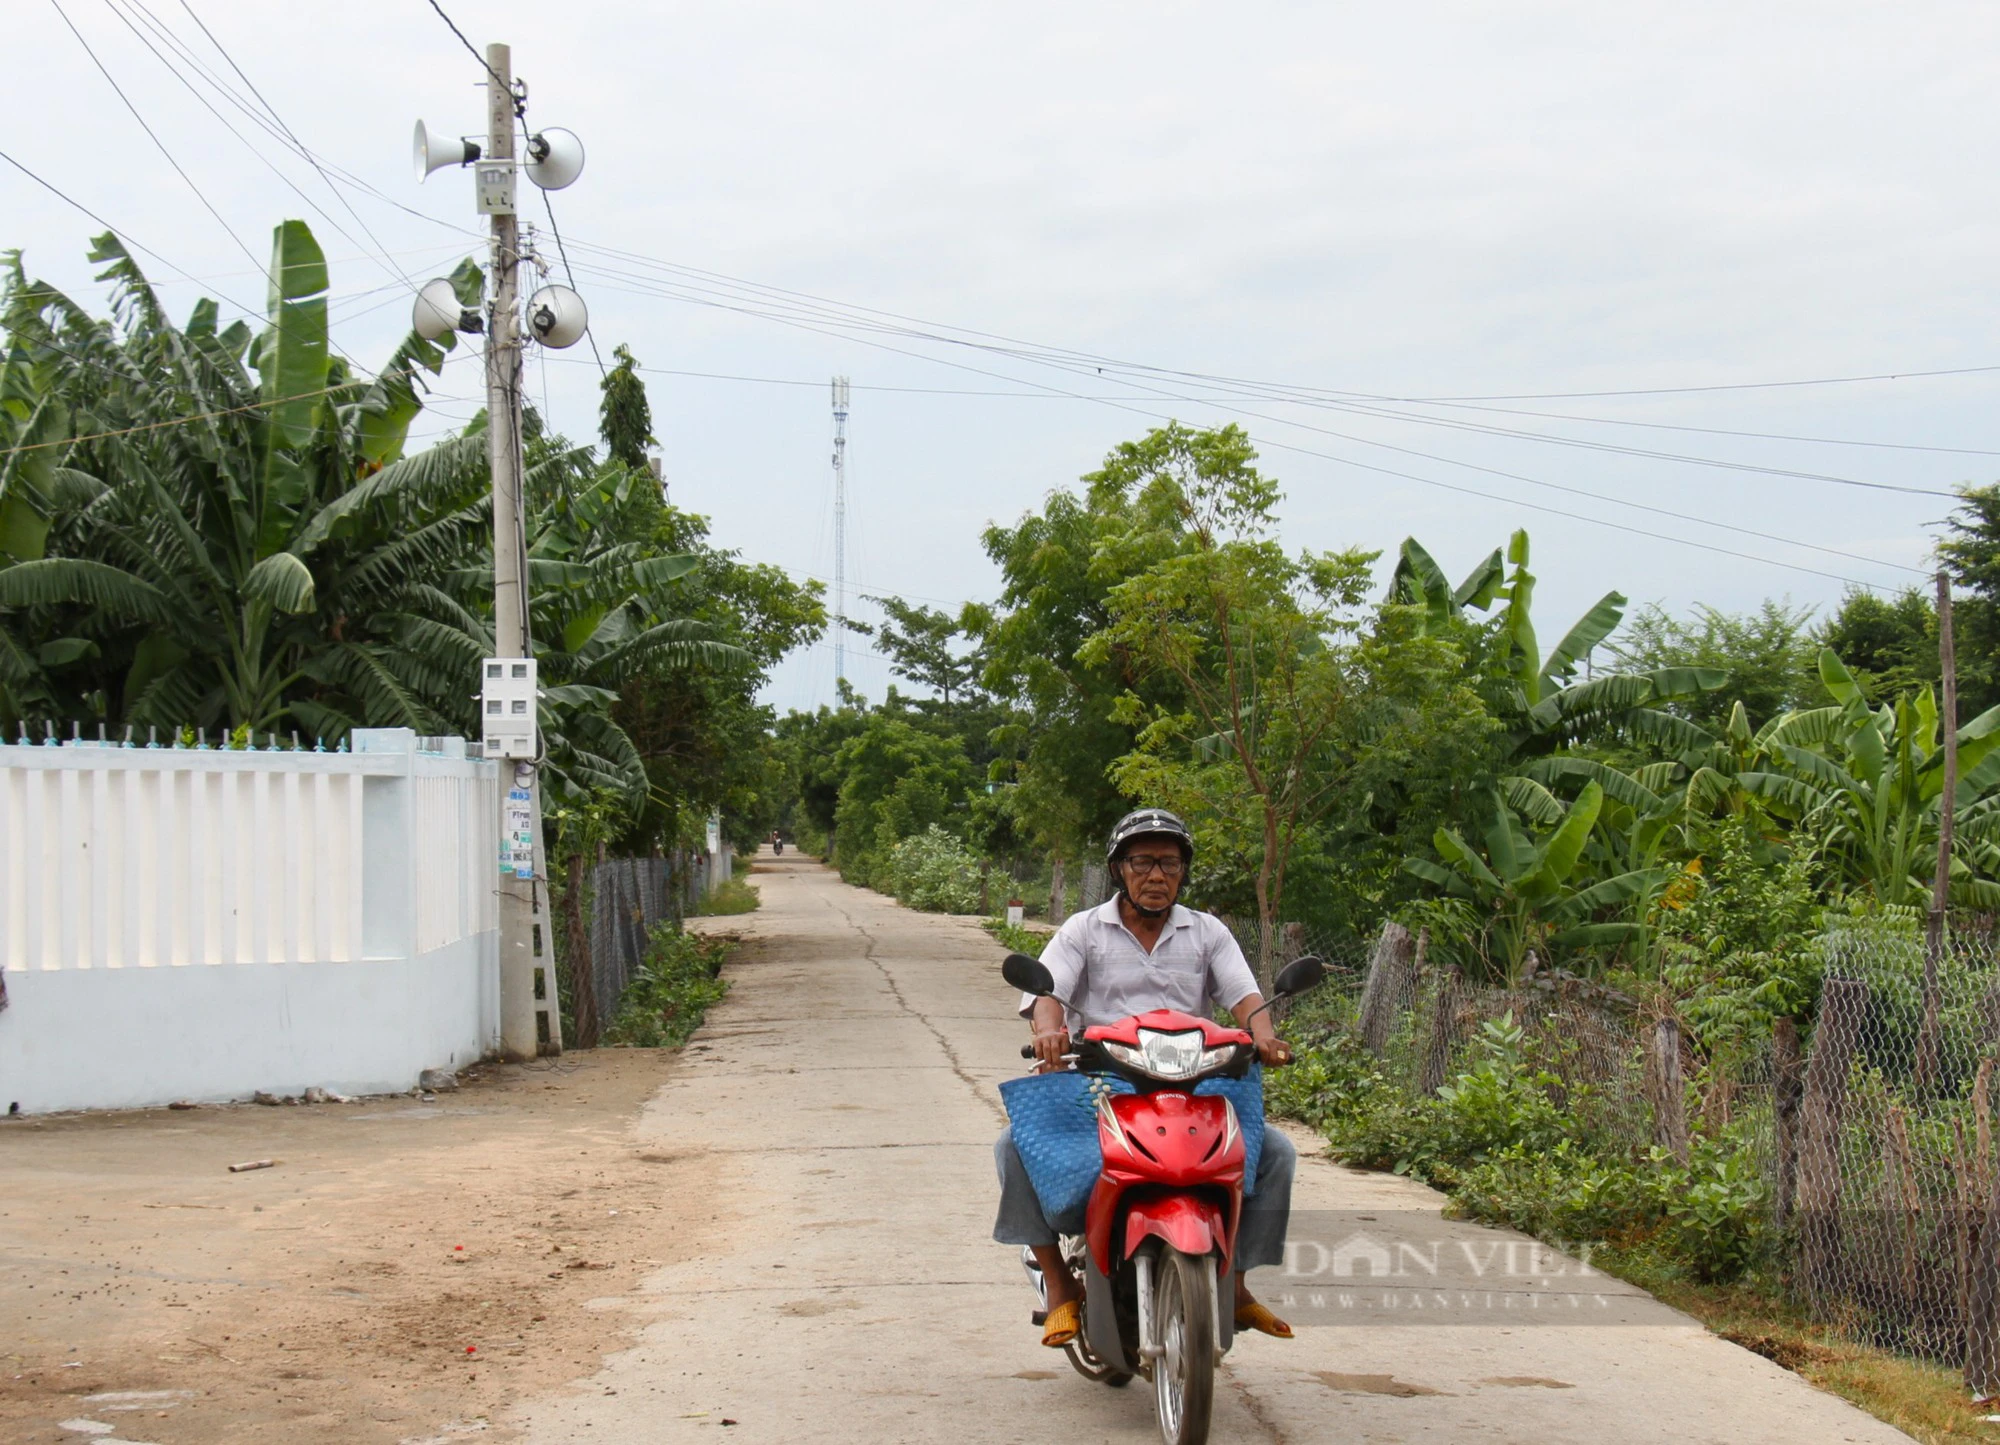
407	1269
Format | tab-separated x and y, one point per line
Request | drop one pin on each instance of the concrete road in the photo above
853	1294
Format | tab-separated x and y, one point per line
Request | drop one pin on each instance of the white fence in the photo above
186	923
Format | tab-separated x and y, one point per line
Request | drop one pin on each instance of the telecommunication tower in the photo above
840	529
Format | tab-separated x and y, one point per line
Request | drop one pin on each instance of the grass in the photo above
672	992
1030	941
738	895
1926	1401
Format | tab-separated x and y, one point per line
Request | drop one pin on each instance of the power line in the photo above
1298	396
589	332
1096	359
1725	431
1385	471
473	50
1722	386
298	145
179	170
119	231
1227	398
223	121
198	195
835	314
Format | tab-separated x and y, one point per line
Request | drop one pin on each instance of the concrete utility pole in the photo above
839	532
519	935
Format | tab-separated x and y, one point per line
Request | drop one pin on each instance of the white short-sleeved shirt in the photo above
1103	974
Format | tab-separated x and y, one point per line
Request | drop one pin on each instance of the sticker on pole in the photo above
517	843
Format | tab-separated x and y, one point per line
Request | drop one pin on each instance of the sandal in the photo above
1063	1326
1254	1316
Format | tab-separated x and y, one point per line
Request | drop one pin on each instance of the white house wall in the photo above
182	923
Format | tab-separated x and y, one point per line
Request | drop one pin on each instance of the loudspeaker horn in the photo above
555	158
437	311
434	153
557	316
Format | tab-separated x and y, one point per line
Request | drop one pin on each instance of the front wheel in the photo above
1184	1306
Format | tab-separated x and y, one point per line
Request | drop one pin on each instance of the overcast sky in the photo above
1403	202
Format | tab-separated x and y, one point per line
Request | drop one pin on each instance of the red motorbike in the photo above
1155	1257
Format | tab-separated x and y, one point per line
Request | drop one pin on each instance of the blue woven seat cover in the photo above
1054	1118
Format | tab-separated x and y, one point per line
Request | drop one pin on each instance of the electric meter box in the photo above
507	708
493	183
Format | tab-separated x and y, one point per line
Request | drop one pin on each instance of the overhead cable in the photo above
1367	466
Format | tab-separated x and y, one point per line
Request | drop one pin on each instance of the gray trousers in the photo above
1260	1238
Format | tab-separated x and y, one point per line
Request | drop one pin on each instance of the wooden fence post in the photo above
1843	1002
1382	993
1927	1072
1670	1129
582	979
985	885
1982	1309
1058	902
1785	1109
1444	1030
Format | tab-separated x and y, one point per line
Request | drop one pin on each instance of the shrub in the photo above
736	896
1337	1085
1565	1195
670	995
1497	1105
934	872
1017	940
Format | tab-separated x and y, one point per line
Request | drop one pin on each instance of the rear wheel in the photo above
1184	1374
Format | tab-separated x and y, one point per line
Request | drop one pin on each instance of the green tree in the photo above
896	781
1767	657
921	644
707	743
625	416
1971	554
1412	748
1888	644
1251	639
1058	568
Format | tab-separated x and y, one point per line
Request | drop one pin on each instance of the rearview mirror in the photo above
1298	976
1028	975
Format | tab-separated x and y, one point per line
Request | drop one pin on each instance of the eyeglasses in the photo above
1169	867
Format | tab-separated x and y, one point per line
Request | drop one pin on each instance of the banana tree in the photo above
1531	889
203	525
1865	785
604	611
1537	697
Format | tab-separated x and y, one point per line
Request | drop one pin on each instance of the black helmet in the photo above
1146	823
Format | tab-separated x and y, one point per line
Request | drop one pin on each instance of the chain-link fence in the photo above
1870	1117
607	924
1884	1164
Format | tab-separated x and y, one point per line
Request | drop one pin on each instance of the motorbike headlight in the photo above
1171	1056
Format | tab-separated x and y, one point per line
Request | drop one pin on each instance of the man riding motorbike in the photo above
1141	950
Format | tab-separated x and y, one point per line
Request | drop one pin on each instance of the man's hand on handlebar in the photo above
1051	1034
1273	1051
1049	1050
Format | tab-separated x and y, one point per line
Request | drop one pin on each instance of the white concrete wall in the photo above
177	923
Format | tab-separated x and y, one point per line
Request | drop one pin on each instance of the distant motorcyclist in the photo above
1137	952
